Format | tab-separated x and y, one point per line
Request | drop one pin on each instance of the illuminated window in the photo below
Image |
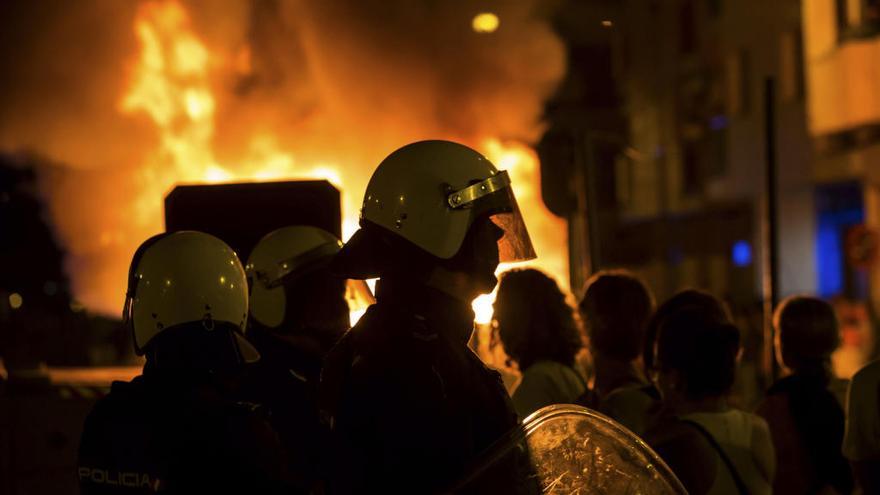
858	18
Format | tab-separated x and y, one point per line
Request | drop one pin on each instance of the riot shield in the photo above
575	450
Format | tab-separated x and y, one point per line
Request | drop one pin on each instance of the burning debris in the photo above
205	92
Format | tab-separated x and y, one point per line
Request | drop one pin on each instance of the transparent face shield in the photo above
495	197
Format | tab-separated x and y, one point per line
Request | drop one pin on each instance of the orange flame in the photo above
171	84
547	231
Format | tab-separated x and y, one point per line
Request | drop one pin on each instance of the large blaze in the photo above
170	83
192	89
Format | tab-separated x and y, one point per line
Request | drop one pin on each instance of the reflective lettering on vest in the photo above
99	476
129	480
115	478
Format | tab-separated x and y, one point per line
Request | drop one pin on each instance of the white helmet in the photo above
280	257
184	277
431	192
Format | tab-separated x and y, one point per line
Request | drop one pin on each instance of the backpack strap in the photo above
588	398
740	484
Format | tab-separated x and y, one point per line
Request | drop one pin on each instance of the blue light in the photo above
741	253
718	122
838	207
830	257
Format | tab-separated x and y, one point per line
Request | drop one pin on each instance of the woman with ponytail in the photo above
805	417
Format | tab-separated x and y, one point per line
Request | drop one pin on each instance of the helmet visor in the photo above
297	266
515	245
494	197
358	295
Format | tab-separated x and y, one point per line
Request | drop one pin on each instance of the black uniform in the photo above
410	406
286	382
164	433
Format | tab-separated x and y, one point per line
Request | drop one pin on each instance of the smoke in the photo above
336	83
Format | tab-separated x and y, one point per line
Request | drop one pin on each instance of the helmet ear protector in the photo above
131	289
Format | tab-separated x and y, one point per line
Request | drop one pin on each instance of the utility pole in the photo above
770	230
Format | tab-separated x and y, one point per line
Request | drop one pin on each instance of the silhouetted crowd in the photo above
666	373
254	383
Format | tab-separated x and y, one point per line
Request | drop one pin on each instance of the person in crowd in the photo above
861	441
176	427
805	418
410	407
688	298
615	308
712	447
541	335
298	311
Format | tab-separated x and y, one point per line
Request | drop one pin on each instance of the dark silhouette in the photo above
688	298
175	428
860	443
411	408
296	315
710	446
539	332
616	307
805	418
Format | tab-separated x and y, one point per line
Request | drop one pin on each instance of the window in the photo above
858	18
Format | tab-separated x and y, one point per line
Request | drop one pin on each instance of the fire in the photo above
172	82
547	231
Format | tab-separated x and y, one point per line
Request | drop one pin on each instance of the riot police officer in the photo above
175	429
298	311
410	407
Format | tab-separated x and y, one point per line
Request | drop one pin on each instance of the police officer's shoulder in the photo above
390	327
123	397
400	362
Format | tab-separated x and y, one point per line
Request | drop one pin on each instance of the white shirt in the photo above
861	440
746	440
